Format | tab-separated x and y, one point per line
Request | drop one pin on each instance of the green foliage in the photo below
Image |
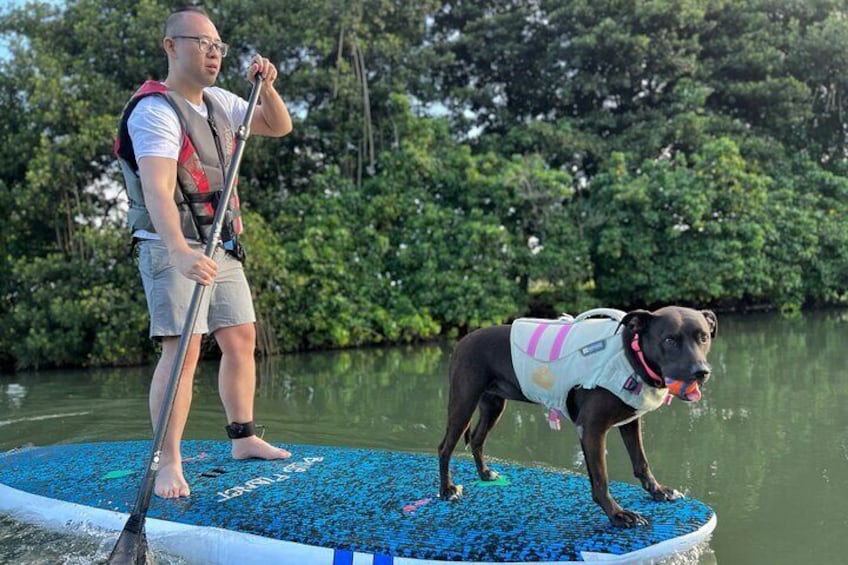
444	256
615	153
677	232
78	312
815	240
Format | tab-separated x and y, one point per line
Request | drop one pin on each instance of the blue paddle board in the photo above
343	506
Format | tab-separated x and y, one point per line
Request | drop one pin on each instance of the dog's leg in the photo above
480	362
598	411
631	433
491	408
594	449
460	411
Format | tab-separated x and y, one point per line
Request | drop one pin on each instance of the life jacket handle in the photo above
611	313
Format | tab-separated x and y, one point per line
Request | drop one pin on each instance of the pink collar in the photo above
634	345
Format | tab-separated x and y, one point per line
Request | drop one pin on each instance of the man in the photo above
174	146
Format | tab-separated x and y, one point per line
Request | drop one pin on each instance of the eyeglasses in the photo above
206	45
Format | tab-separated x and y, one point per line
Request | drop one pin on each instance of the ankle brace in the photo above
236	430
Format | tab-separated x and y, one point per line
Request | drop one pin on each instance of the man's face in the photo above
185	50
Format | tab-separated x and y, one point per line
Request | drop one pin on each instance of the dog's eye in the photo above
703	338
670	341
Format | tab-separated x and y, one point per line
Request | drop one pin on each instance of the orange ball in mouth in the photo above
690	391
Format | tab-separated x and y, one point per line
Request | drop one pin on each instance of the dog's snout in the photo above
701	372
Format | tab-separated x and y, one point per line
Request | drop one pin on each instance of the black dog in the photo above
672	342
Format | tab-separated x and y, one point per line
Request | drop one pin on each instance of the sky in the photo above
5	6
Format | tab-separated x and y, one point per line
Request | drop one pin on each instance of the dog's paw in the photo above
628	519
489	475
451	494
665	494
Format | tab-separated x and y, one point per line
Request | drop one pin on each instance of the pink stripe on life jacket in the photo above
534	339
558	341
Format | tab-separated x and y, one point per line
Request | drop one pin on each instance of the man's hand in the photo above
194	265
272	117
259	64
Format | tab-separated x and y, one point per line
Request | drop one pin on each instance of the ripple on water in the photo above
24	544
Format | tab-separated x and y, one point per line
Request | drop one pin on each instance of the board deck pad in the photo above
381	503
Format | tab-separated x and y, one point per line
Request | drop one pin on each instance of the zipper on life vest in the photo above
214	127
217	138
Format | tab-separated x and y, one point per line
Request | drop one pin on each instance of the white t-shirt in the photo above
154	127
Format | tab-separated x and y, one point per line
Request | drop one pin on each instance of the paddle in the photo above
131	547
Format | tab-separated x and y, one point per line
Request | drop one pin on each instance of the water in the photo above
767	447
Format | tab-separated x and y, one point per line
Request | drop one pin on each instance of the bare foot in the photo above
254	446
170	482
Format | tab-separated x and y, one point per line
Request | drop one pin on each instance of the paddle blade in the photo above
131	548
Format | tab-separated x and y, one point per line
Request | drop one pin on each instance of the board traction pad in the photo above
362	500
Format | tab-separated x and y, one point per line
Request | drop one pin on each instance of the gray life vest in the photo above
205	153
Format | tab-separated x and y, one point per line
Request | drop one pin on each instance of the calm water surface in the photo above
767	447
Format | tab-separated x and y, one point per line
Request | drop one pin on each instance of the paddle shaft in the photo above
128	553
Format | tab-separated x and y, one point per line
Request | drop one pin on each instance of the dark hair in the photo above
178	14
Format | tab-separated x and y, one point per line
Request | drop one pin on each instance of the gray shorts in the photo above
227	302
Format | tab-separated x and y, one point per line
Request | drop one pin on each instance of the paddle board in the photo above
343	506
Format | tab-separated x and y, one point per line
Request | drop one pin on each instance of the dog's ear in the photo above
637	320
712	322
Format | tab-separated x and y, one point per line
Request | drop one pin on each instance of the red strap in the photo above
149	87
190	163
634	345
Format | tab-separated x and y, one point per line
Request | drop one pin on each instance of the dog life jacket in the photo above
205	153
552	357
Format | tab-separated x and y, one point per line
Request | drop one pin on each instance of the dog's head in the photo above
675	342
